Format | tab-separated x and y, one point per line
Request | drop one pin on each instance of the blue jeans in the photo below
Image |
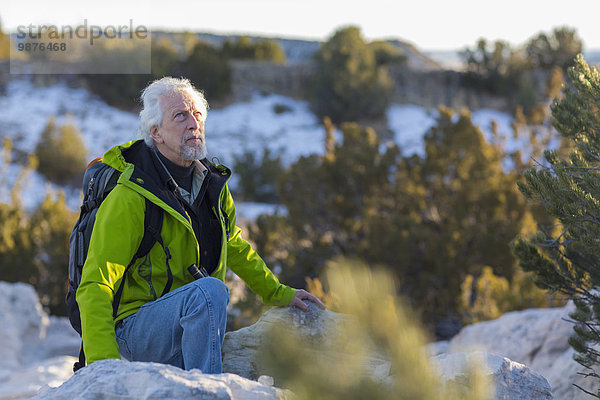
184	328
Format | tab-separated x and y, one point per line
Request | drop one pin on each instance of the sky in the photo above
428	24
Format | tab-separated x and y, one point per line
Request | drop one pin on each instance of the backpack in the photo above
98	181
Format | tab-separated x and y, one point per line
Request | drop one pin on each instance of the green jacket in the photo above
118	231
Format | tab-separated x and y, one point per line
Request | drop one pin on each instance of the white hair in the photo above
152	112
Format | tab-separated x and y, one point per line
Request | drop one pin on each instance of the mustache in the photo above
194	135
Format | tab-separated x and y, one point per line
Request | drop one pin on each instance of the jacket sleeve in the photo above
117	232
250	267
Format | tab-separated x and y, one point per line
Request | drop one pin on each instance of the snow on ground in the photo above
251	211
34	188
26	110
254	125
230	131
409	123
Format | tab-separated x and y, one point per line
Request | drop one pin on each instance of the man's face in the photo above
180	136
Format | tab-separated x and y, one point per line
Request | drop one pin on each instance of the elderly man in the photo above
165	314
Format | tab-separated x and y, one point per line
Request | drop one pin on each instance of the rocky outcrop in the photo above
37	353
37	350
241	348
27	333
536	338
26	382
22	320
124	380
510	380
427	87
250	76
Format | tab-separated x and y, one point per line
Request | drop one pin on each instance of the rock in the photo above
22	322
60	339
512	381
123	380
34	348
266	380
437	348
536	338
27	382
241	348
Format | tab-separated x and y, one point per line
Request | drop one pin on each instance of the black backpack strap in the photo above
81	362
153	220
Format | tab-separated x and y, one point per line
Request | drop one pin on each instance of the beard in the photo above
197	151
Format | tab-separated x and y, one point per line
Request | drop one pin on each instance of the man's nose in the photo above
194	123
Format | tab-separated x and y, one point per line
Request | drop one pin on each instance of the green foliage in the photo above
325	199
430	220
4	45
182	41
489	296
557	49
493	67
34	248
565	257
15	241
525	97
123	90
555	82
348	83
118	90
258	179
51	225
246	48
208	69
463	212
383	328
386	53
499	69
164	58
61	154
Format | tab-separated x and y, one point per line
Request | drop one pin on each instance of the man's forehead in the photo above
179	100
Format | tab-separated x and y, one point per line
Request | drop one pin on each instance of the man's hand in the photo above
302	294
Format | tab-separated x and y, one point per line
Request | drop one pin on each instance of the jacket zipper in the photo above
224	219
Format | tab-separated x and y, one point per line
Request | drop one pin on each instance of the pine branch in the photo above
585	391
596	333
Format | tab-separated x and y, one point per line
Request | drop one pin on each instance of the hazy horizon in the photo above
432	25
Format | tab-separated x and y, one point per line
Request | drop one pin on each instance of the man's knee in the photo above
215	289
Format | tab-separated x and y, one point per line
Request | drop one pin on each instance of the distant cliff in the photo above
419	82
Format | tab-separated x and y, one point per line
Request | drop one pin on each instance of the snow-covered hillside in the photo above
230	131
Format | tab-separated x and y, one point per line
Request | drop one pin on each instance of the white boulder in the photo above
511	380
241	348
38	352
536	338
22	322
124	380
28	381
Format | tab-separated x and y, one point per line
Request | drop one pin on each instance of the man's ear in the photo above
156	135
